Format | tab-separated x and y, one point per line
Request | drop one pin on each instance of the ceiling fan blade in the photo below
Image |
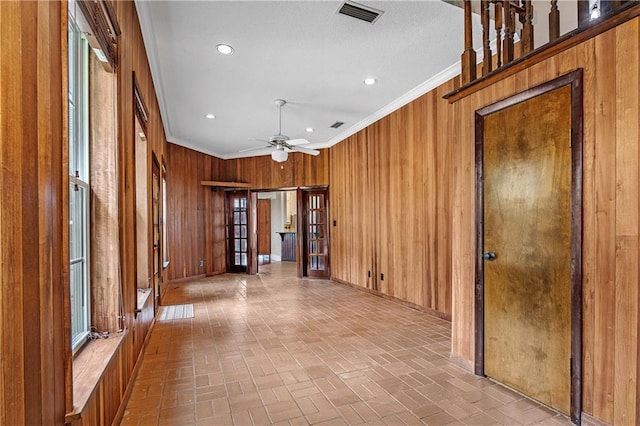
305	150
258	139
255	148
300	141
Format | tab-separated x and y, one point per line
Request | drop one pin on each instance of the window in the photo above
165	243
78	184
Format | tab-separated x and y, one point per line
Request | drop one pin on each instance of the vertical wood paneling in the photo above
589	277
610	211
604	141
195	214
443	126
394	168
627	177
382	188
32	211
108	397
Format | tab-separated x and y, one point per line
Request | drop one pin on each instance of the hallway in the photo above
273	349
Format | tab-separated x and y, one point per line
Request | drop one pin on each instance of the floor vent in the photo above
337	124
358	11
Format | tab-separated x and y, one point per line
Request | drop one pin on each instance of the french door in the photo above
238	231
315	233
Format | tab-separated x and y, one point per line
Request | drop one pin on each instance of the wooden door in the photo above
238	231
315	256
264	227
529	181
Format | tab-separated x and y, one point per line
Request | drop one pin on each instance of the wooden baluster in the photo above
554	21
469	55
583	12
509	30
497	12
527	28
486	49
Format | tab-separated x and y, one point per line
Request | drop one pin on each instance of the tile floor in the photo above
272	349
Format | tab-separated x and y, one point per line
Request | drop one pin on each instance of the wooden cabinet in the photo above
288	246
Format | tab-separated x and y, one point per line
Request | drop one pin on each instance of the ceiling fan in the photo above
281	143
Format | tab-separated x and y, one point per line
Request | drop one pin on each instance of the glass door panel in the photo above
238	227
316	247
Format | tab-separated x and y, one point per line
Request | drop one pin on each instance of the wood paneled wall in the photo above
403	196
132	58
33	207
196	218
195	214
390	186
35	384
264	173
611	66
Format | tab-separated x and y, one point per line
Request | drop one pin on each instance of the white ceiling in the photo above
300	51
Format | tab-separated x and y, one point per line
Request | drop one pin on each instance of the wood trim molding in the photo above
139	107
89	368
221	184
629	11
461	362
186	279
393	299
589	420
101	25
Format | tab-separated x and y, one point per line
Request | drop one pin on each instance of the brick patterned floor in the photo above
273	349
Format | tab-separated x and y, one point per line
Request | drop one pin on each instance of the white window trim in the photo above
79	172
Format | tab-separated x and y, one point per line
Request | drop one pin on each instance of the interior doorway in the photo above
264	231
277	232
238	231
297	229
315	232
528	270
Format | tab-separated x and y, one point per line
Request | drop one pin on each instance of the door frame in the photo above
573	79
303	230
251	266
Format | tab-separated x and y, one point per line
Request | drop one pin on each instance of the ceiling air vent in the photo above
361	12
337	124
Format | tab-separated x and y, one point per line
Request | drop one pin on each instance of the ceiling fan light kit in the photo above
281	143
279	155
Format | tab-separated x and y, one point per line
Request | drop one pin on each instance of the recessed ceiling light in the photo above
225	49
370	81
309	129
210	116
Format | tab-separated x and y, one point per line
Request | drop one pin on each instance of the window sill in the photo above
89	366
143	295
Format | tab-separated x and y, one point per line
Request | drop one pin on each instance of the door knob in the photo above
489	255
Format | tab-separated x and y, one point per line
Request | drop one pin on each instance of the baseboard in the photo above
134	374
589	420
185	279
395	299
462	362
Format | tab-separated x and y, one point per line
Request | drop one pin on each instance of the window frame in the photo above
78	101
